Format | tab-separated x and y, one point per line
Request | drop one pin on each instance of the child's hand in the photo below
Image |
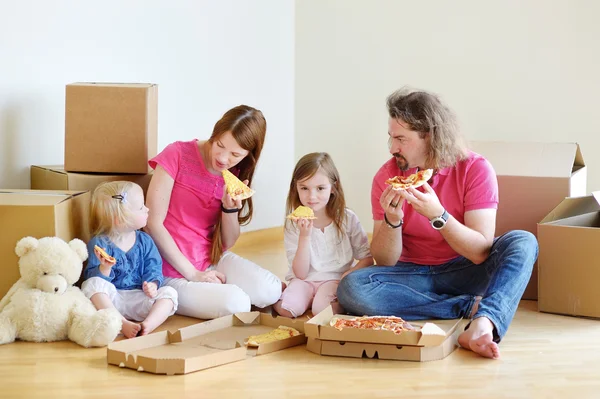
305	226
105	265
150	289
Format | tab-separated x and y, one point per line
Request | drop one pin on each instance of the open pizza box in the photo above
433	340
203	345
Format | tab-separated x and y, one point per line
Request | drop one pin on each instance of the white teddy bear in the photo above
43	305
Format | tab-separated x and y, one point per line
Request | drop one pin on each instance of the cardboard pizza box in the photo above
569	268
110	127
435	339
201	346
35	213
533	178
55	177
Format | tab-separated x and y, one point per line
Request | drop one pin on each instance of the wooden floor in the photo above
543	356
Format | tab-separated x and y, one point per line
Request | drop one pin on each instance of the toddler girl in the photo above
133	283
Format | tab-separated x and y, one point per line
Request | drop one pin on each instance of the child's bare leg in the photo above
158	314
102	301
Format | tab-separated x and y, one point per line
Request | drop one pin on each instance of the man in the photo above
439	239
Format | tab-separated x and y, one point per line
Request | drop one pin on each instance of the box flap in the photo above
35	197
534	159
431	335
51	168
113	84
246	318
574	206
311	327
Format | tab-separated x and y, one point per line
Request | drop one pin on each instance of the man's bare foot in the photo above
479	338
130	329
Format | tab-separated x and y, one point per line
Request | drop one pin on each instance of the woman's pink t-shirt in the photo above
195	204
470	184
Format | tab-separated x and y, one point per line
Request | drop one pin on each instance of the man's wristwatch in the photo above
392	226
439	222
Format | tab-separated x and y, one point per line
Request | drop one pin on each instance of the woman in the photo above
194	221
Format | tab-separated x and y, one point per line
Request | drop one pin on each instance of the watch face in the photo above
438	224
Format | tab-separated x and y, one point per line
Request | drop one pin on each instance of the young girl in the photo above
321	251
132	285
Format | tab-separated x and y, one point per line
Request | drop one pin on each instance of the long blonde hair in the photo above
306	168
426	114
248	127
109	209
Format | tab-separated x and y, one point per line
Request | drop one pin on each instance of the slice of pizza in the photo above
388	323
415	180
105	255
302	212
235	187
282	332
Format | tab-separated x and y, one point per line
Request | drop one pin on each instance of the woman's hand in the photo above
230	202
209	276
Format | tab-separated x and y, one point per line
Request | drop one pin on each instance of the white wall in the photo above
206	57
512	70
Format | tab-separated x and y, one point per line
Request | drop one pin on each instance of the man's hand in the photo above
305	226
150	289
425	203
391	202
210	276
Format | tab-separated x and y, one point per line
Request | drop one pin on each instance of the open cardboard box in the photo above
543	176
569	265
201	346
54	177
35	213
434	340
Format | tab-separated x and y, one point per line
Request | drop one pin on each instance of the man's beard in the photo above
401	162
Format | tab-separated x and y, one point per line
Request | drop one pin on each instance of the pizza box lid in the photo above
429	333
203	345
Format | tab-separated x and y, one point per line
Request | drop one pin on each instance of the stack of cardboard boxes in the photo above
110	134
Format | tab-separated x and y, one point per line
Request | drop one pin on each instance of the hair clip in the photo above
121	197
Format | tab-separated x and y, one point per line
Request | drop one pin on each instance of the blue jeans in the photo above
447	291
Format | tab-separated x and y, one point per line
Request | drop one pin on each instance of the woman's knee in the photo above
268	294
236	301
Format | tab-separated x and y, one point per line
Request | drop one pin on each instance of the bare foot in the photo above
147	327
130	329
479	338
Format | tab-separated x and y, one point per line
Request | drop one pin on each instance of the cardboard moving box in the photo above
533	178
201	346
38	214
569	267
110	127
434	340
54	177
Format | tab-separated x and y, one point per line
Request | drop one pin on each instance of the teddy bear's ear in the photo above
80	248
25	245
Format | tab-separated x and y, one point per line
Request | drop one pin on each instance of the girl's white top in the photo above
330	254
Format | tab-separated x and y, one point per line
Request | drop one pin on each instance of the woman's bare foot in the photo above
479	338
130	329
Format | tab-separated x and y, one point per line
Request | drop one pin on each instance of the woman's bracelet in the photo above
234	210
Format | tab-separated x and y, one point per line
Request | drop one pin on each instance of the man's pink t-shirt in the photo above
195	203
470	184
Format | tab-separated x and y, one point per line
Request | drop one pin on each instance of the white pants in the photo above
247	284
132	304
